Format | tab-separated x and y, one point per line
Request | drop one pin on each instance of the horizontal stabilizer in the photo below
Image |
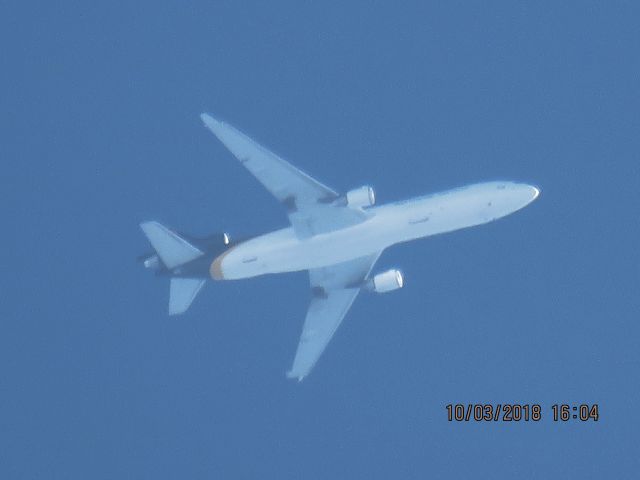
182	292
172	249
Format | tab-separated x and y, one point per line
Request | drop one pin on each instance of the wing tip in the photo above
209	120
147	224
293	375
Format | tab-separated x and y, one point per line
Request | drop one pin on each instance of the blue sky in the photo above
100	131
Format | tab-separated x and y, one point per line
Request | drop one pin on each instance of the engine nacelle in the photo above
387	281
361	197
152	262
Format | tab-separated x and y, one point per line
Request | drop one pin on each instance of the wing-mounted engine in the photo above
386	281
362	197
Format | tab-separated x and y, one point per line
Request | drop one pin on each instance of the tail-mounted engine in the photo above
386	281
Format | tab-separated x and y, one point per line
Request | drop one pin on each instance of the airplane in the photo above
336	237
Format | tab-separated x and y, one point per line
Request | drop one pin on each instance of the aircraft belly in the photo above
460	209
286	253
282	251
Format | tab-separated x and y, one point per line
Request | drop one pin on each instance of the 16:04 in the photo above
564	412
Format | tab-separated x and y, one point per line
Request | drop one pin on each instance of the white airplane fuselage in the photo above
282	251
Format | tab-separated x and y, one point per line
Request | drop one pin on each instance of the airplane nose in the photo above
534	192
524	194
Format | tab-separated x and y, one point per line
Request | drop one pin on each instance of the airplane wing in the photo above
308	202
334	289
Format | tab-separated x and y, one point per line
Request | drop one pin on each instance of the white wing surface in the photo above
309	203
334	289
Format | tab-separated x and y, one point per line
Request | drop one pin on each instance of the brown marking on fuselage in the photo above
215	270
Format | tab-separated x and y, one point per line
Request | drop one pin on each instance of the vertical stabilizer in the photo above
172	249
182	291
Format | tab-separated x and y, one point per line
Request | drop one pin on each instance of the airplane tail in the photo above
173	251
182	292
